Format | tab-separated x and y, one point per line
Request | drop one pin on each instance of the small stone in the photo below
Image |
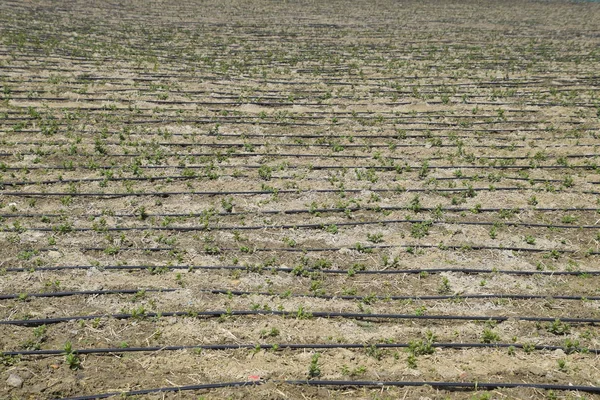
14	380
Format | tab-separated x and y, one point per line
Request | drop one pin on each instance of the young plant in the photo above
314	371
71	358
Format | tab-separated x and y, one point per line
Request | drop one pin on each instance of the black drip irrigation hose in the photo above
382	222
317	314
312	167
349	384
153	268
397	137
306	211
274	191
196	176
457	296
302	136
361	249
81	293
293	346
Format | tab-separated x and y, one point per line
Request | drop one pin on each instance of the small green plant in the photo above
375	237
374	351
273	332
415	204
445	287
227	204
314	371
489	336
290	242
303	314
529	239
559	328
420	311
532	201
419	230
158	269
265	172
71	358
331	229
8	361
362	249
421	347
528	348
573	346
562	365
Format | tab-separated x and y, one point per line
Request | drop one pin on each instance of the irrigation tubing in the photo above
317	314
311	167
477	136
25	295
361	249
306	211
307	270
308	155
184	177
302	226
274	191
81	293
348	384
296	346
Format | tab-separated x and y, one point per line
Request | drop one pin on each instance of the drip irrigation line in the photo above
477	132
348	384
382	222
81	293
311	167
416	298
305	270
288	136
296	346
308	155
362	248
196	176
26	295
316	314
274	191
305	211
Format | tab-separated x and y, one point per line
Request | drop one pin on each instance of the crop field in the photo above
299	199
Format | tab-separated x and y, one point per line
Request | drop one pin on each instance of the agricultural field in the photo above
299	199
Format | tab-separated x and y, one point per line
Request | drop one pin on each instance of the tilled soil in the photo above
299	200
